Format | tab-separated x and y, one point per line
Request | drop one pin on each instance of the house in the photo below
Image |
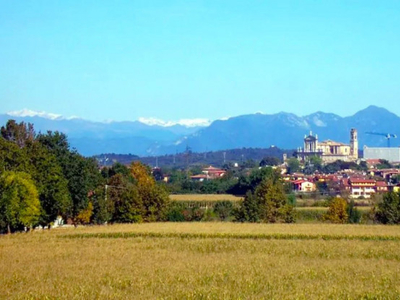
381	187
304	186
362	187
213	173
208	173
199	178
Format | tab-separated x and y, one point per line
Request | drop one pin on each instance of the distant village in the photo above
377	176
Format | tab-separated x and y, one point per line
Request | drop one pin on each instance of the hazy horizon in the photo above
198	60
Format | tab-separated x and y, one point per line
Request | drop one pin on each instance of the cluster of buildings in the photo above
329	151
208	173
355	184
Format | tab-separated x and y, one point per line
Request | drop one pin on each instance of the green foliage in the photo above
270	161
272	201
175	212
85	215
52	186
181	212
384	164
223	209
12	158
288	214
154	197
353	213
19	134
339	165
293	165
116	168
314	163
19	201
267	204
387	211
249	210
81	173
291	199
310	215
124	202
71	185
250	182
101	206
337	211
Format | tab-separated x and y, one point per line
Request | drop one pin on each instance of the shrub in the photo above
291	199
310	215
387	211
223	209
267	204
353	213
175	213
209	215
337	212
288	214
249	210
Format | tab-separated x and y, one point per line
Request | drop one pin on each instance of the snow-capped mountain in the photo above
182	122
157	137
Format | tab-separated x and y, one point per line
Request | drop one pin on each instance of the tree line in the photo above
42	178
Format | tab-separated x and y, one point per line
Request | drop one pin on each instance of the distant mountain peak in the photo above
42	114
183	122
374	110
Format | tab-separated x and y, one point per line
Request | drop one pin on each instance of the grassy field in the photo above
205	197
203	261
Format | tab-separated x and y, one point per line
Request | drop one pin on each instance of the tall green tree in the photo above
249	209
387	211
154	197
82	174
12	158
337	211
51	184
124	201
293	165
268	203
272	201
270	161
19	201
18	133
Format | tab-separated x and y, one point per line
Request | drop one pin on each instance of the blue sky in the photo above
123	60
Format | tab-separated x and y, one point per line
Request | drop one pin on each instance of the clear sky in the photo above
123	60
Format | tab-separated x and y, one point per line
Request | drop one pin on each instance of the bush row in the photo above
188	211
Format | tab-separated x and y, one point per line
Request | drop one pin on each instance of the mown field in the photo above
205	197
203	261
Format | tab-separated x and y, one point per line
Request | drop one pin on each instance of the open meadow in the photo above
205	197
203	261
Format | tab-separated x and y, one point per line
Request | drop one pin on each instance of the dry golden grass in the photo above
54	265
205	197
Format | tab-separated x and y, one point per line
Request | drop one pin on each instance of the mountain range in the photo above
284	130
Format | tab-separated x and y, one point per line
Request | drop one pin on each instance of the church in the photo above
329	151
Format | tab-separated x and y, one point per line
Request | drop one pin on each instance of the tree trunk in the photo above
8	229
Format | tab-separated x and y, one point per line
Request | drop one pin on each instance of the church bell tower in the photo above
354	144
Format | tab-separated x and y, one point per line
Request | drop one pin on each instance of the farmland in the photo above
197	260
205	197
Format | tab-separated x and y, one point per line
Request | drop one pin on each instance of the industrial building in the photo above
390	154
